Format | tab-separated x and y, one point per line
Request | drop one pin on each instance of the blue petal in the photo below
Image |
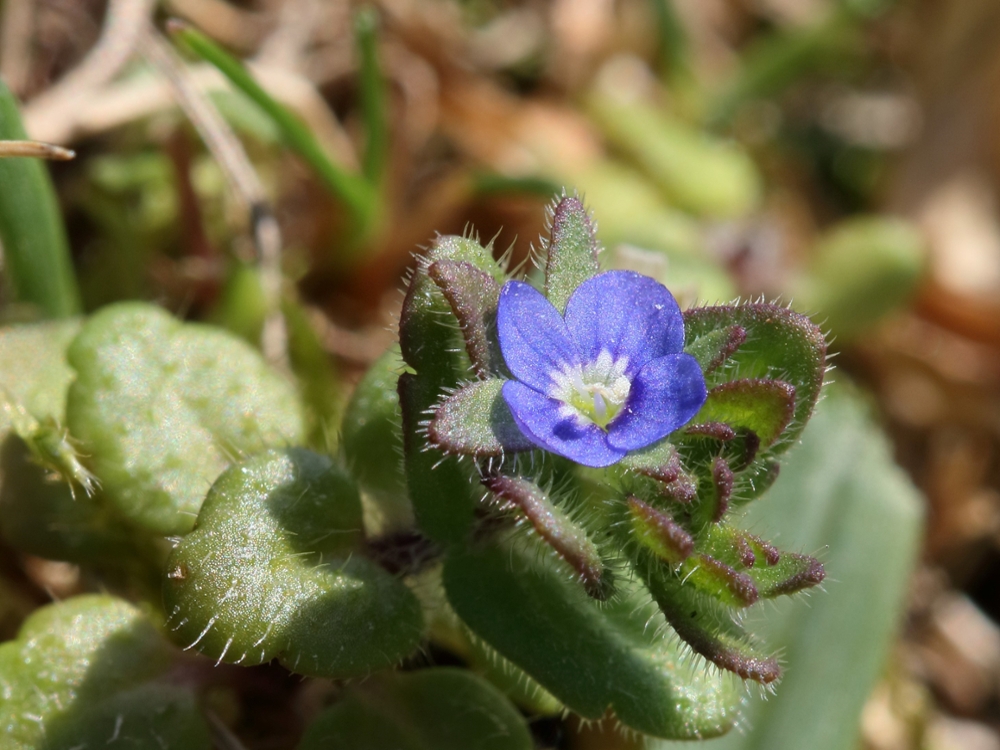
533	337
665	395
539	418
627	314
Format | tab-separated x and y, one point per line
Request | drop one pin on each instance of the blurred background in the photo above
841	156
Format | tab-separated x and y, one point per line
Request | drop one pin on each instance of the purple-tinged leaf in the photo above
716	430
723	582
779	343
706	625
715	347
773	573
556	529
659	532
764	407
476	421
722	482
661	462
795	572
473	295
684	489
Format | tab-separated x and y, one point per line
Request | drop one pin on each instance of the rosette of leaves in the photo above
576	565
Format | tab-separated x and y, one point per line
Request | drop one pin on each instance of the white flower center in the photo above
594	392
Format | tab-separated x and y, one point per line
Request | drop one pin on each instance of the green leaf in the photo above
713	348
272	571
79	670
571	252
433	709
163	407
158	717
440	489
764	407
33	369
320	386
473	295
780	344
706	624
556	529
592	656
659	532
427	335
36	253
43	518
372	434
476	421
839	491
774	573
37	515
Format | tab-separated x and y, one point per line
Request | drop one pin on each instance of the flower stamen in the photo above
595	392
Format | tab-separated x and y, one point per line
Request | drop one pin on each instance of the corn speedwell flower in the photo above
606	378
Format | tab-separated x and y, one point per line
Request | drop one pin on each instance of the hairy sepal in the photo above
571	252
475	421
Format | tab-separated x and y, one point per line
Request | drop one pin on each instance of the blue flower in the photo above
607	378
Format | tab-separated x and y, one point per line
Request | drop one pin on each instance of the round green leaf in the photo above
271	570
163	407
79	669
434	709
33	369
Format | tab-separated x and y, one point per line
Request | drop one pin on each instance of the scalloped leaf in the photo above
589	655
163	407
271	571
780	344
439	709
571	252
77	675
476	421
